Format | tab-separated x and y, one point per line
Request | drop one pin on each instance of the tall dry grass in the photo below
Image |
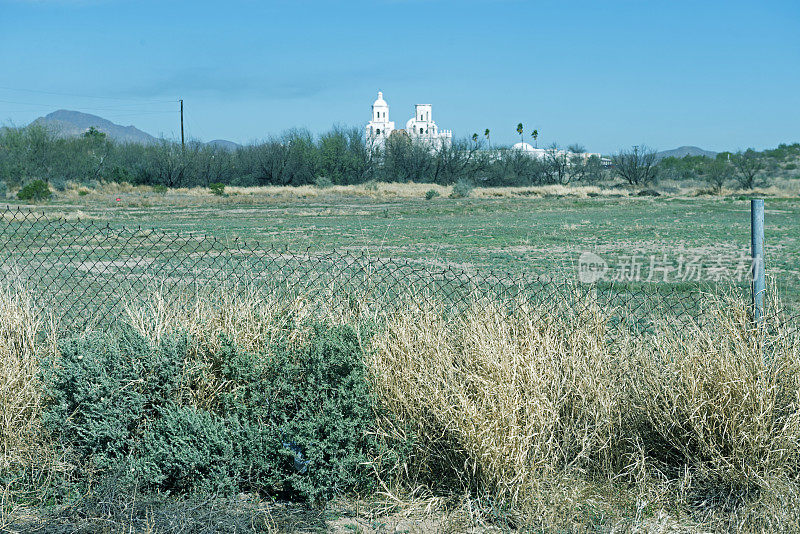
502	403
726	398
20	392
537	408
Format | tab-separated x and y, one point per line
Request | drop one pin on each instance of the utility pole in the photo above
183	144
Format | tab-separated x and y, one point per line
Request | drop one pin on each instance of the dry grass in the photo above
387	191
20	393
501	404
371	190
541	413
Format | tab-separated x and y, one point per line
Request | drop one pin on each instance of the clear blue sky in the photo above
720	75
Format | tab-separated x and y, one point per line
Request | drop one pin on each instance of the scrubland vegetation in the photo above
533	420
341	157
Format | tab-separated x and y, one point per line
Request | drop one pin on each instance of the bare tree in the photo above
716	173
585	170
458	160
636	166
407	160
557	162
748	165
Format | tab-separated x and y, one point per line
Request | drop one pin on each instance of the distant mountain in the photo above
68	123
683	151
72	123
225	145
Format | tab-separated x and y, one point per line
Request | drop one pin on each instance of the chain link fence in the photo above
87	272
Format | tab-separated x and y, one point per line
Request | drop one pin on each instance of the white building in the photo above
543	153
528	150
420	127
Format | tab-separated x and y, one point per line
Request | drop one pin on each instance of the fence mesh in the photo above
86	272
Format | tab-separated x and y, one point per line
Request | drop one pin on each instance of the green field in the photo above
518	234
693	238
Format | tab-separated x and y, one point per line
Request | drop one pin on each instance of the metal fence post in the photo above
757	242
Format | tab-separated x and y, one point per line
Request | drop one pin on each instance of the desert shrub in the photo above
82	192
217	188
431	194
313	408
294	419
101	388
186	450
116	174
462	189
36	191
58	183
160	189
323	182
329	411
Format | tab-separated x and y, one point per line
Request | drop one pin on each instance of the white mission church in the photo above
420	127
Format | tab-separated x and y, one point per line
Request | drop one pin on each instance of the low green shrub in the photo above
102	388
37	190
431	194
323	182
314	405
324	405
294	420
462	189
160	189
186	450
217	188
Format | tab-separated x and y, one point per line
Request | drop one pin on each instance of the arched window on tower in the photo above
378	131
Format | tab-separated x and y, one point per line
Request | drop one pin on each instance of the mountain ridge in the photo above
68	123
686	150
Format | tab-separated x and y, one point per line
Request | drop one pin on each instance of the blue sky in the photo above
720	75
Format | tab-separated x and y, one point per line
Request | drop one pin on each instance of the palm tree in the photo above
475	139
486	135
519	131
535	135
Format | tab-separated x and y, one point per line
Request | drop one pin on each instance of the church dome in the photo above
525	147
380	102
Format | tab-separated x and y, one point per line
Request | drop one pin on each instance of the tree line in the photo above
340	156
